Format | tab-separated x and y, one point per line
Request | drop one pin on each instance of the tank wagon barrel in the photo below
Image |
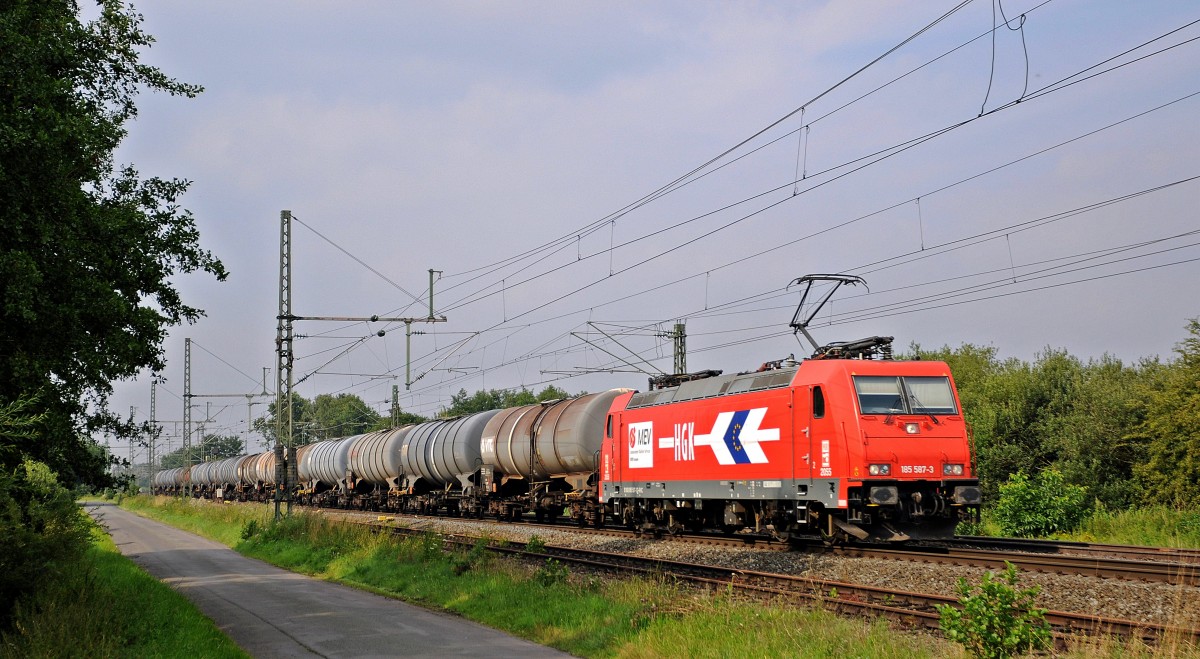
445	452
547	440
375	457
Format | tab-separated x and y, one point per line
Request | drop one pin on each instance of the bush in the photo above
535	545
999	620
552	573
43	533
1041	506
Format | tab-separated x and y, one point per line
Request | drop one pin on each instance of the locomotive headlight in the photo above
912	428
952	470
879	470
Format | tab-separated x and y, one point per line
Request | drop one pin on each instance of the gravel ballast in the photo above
1139	601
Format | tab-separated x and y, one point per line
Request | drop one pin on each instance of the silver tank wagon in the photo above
548	440
440	452
375	457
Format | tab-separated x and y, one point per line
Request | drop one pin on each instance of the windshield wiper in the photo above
917	404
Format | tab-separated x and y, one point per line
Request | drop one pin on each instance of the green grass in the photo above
108	607
581	614
1153	527
220	522
575	612
1157	526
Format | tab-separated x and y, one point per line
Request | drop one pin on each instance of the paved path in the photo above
271	612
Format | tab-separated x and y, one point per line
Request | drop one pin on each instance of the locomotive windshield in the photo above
904	395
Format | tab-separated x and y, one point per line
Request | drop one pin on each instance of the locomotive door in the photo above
615	439
819	431
825	444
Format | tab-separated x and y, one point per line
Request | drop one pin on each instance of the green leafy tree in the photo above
1090	438
397	418
342	415
481	401
215	447
1046	504
1170	470
1056	412
997	618
88	249
302	431
212	447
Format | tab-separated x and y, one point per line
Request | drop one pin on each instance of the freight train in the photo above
848	445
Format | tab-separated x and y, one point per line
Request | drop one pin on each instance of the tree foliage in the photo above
42	532
342	415
483	400
88	247
1171	426
1039	506
324	417
212	447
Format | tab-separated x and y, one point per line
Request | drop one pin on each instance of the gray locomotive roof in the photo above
722	385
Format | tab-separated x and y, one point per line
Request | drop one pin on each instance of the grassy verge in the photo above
578	613
1157	526
1154	527
108	607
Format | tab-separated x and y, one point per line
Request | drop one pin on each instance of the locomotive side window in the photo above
608	428
818	403
904	395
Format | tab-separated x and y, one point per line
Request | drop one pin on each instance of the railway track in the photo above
1179	567
1093	565
907	608
1131	552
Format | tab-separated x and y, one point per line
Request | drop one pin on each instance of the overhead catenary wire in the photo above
1097	74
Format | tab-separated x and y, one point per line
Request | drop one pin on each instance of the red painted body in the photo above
780	445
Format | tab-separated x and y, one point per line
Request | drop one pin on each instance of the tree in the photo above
87	248
325	417
997	618
342	415
301	431
481	401
1170	470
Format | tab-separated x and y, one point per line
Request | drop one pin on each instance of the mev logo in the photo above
735	437
641	444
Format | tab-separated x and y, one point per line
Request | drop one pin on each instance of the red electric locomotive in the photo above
841	444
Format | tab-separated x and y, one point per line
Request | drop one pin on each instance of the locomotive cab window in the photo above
608	427
904	395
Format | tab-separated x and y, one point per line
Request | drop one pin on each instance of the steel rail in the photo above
907	608
1093	565
1136	552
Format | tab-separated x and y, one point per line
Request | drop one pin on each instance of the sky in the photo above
584	175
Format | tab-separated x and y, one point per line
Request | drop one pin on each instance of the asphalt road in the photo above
271	612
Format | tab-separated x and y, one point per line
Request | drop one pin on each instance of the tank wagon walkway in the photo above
271	612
